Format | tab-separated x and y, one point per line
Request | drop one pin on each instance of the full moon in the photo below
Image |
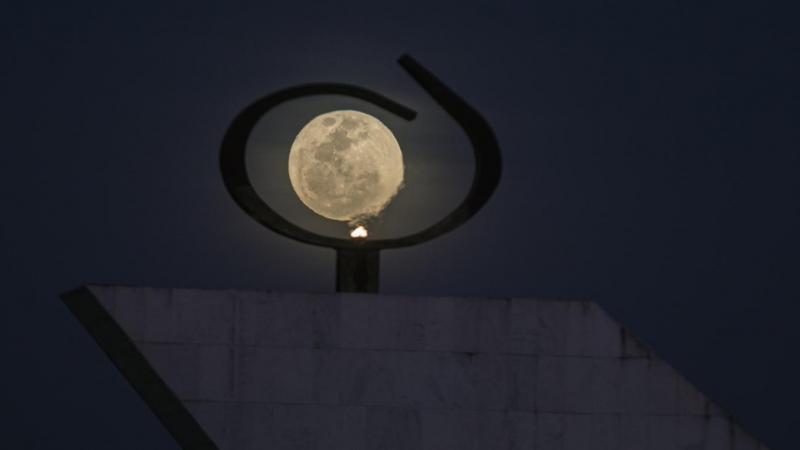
346	165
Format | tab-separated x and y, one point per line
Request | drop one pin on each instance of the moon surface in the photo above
346	165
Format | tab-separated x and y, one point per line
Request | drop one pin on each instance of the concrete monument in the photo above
241	370
356	371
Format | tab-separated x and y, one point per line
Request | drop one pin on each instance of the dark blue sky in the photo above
651	165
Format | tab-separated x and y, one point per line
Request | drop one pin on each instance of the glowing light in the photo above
359	233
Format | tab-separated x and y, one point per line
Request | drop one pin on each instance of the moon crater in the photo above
346	166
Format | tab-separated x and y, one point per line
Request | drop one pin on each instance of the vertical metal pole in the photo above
357	270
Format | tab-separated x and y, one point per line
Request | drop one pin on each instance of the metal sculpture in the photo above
358	261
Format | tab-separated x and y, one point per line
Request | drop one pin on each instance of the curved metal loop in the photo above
488	162
233	165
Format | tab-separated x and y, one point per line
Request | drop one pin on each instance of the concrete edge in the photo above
628	334
119	348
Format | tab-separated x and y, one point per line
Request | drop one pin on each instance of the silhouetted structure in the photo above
358	261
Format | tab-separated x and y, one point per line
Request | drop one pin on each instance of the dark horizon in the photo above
650	165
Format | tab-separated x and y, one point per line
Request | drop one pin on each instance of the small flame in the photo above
359	233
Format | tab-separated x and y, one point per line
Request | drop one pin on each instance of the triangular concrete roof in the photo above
239	370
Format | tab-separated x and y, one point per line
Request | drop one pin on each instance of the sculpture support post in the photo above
357	270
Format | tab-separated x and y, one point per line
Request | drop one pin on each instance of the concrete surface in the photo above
264	370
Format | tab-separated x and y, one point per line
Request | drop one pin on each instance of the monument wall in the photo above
238	370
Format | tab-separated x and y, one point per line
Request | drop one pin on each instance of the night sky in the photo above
651	165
